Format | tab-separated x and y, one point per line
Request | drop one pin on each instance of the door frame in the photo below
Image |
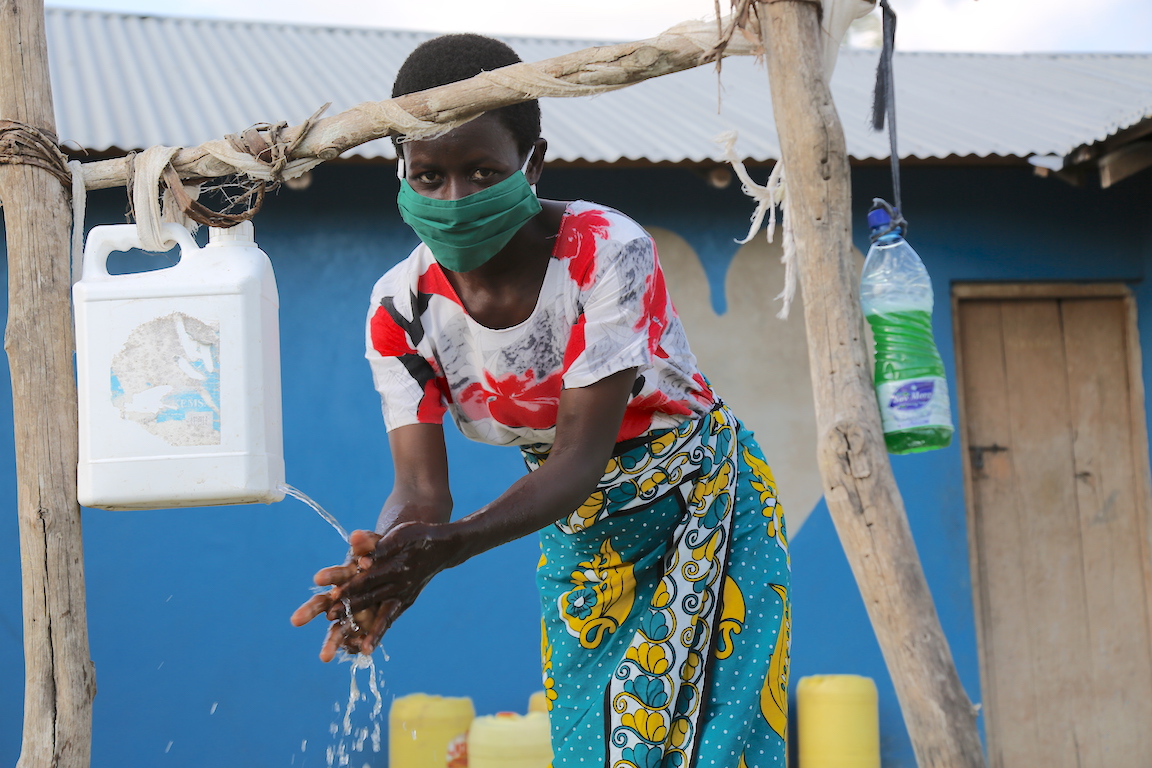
1053	291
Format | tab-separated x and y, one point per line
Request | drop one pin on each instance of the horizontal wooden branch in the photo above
586	71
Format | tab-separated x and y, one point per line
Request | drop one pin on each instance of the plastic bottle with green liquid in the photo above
896	295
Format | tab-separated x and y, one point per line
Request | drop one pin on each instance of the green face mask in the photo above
464	234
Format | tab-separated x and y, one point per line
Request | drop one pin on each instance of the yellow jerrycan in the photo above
178	373
429	731
508	740
839	722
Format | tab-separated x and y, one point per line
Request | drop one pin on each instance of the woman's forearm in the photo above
588	422
534	501
587	425
401	507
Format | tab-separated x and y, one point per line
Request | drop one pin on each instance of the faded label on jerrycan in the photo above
166	378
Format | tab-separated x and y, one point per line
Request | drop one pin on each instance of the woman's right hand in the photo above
386	582
346	631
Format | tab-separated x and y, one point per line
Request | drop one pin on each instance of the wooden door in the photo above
1056	455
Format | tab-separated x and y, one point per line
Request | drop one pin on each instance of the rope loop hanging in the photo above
884	102
145	197
202	214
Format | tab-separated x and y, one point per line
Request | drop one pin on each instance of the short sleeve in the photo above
411	389
625	311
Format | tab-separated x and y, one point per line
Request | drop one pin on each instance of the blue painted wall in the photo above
196	663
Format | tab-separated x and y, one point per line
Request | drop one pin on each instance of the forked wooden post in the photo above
59	677
859	487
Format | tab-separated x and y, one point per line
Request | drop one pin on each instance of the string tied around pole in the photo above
23	144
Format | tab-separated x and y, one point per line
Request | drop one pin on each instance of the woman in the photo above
546	325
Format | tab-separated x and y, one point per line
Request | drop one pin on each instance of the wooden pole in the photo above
59	681
859	487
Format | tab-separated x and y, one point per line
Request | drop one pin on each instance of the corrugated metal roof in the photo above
129	81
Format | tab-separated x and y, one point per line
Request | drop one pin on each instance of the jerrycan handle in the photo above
103	240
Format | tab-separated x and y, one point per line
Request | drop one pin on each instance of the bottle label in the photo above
914	403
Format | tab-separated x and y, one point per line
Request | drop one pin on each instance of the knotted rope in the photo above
146	169
261	156
22	144
262	153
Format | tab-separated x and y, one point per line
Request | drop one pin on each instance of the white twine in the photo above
767	197
702	34
149	164
838	15
388	117
520	81
249	166
526	80
152	209
79	205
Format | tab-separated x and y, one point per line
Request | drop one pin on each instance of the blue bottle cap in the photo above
877	218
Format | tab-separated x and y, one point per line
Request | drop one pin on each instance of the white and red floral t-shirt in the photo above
603	307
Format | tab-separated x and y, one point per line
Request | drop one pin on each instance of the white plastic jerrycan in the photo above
179	374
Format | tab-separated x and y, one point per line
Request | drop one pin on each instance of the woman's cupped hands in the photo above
382	577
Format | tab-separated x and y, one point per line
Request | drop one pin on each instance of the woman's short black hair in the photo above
451	58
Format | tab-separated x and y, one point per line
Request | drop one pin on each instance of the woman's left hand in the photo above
382	579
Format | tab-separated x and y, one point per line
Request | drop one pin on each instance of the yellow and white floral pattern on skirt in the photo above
665	601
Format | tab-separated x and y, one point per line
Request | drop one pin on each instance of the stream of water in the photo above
298	494
350	738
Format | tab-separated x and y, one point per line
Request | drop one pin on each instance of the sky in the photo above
1000	26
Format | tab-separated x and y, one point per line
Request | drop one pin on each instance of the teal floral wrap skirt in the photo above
665	596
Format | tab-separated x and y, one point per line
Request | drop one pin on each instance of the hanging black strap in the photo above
884	98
